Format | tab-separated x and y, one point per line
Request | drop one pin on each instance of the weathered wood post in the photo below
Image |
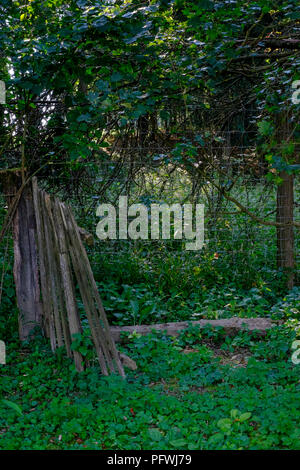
285	233
25	255
285	207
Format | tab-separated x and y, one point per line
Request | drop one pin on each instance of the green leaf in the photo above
294	15
234	413
155	434
224	424
215	437
265	128
116	77
14	406
244	416
102	23
193	446
84	118
135	306
178	443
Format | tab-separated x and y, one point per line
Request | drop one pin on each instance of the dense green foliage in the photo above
112	97
190	393
78	71
201	390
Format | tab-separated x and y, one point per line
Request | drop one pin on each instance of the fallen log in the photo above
231	326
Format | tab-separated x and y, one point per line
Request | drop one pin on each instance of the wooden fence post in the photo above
26	267
26	273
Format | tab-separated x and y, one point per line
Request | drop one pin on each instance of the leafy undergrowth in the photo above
147	288
201	390
141	304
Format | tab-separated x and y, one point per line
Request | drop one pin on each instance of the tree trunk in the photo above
285	234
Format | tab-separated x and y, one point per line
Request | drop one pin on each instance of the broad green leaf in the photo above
234	413
155	434
224	424
244	416
178	443
13	405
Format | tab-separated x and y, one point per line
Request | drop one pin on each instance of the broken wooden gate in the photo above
50	259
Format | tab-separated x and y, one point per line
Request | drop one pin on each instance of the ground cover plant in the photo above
163	101
200	390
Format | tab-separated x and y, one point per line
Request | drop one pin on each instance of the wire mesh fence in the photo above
227	175
231	234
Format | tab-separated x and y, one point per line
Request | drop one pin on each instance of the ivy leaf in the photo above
101	24
84	118
178	443
265	128
155	434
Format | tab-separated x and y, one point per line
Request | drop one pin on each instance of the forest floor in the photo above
200	390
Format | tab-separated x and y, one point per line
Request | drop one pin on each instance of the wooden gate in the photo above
50	263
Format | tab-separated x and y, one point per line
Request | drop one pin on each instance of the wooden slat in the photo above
50	250
49	298
61	249
101	321
69	293
84	289
98	335
43	266
58	283
39	226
